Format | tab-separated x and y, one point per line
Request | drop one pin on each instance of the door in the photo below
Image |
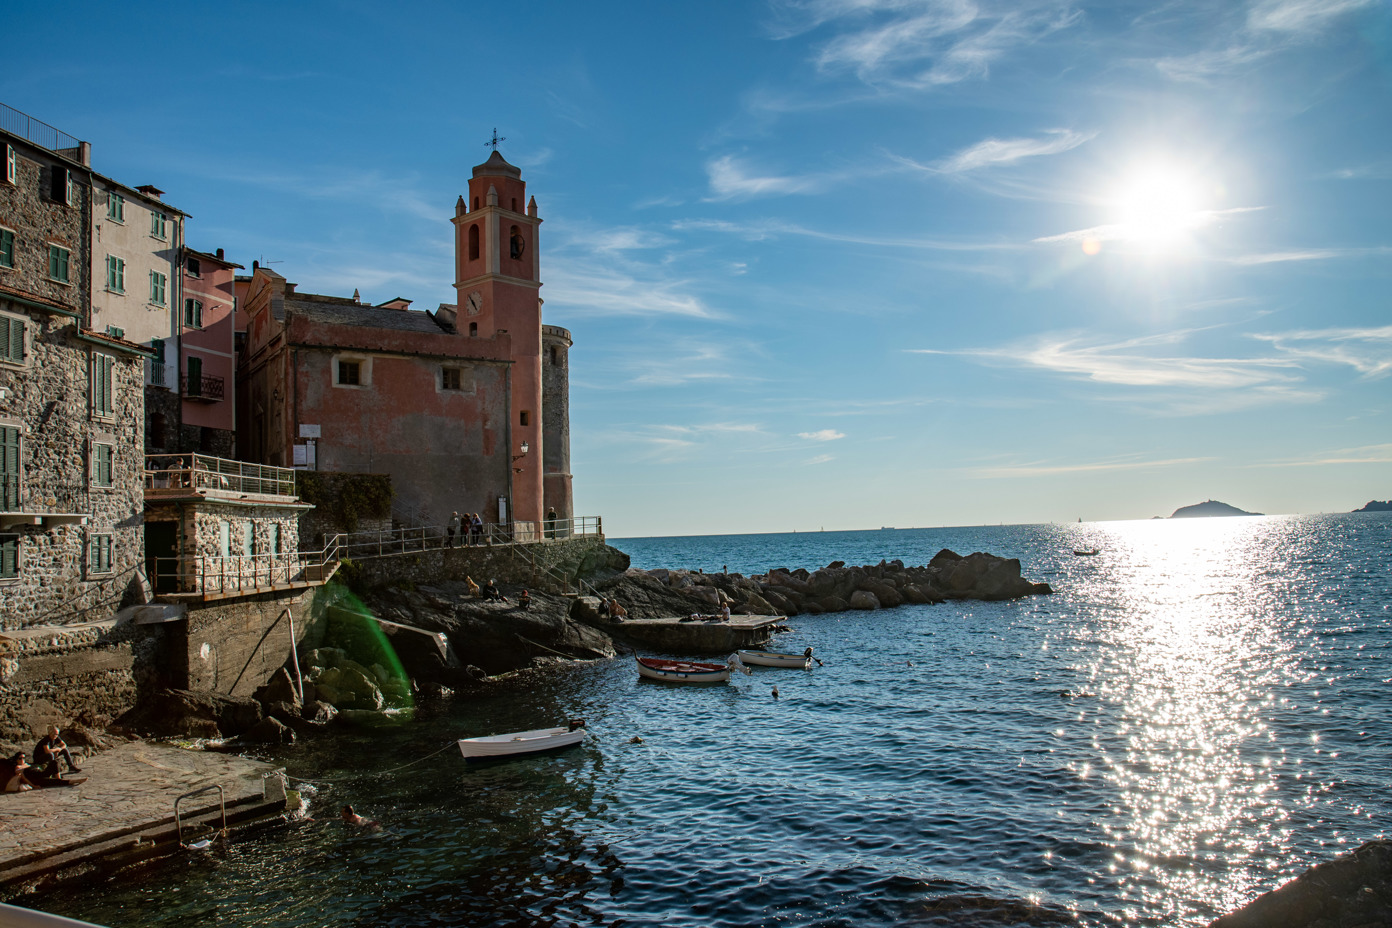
162	555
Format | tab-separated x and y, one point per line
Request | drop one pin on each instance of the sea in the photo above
1197	714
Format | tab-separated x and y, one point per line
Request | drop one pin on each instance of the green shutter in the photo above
15	341
9	556
6	248
9	469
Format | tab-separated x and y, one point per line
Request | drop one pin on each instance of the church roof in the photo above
497	165
347	312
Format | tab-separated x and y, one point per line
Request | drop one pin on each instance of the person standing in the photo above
450	529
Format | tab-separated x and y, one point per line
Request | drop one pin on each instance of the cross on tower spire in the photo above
493	142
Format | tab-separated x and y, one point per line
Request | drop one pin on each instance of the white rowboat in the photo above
518	743
777	659
656	668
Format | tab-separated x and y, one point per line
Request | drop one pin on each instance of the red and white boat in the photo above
656	668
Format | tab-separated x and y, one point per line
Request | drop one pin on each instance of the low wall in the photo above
534	566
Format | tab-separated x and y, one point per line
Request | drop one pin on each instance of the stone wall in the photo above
535	566
344	503
234	646
27	209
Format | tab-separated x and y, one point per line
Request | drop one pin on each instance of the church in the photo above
465	407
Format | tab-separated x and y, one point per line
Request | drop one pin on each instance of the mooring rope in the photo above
376	773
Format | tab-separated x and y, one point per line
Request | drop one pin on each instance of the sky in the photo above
828	263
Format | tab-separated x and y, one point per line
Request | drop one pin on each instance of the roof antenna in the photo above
496	139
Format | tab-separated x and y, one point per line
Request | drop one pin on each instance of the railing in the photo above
165	472
156	368
204	387
243	573
429	537
36	131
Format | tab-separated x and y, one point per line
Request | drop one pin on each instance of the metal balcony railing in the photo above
243	574
156	368
36	131
205	387
169	474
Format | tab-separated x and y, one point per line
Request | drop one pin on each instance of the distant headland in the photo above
1377	506
1209	508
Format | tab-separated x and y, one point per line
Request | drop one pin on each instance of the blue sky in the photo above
834	263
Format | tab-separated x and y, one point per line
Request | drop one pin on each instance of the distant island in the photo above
1377	506
1209	508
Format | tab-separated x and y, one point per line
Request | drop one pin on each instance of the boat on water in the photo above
1089	552
777	659
520	743
656	668
13	916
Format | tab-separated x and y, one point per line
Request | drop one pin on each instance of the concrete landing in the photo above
127	804
672	633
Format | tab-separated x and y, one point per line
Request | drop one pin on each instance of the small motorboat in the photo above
1089	552
519	743
777	659
656	668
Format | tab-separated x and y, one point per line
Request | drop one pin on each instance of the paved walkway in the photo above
129	788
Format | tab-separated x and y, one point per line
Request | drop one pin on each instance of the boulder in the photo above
184	713
757	605
280	688
268	731
832	604
318	711
885	593
864	599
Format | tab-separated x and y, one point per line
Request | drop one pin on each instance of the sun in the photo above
1158	205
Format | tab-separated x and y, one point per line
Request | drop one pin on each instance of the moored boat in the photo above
777	659
656	668
519	743
1089	552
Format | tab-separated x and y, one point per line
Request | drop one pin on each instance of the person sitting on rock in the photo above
524	600
16	776
47	752
616	612
492	593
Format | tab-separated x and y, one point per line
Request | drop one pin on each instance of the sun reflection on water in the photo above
1191	668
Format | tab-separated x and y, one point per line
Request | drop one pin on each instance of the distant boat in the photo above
656	668
777	659
519	743
1089	552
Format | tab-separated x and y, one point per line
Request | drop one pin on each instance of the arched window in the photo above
475	202
517	244
473	241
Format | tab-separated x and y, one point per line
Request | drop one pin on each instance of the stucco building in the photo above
466	407
207	355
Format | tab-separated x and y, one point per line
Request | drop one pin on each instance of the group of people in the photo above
18	775
468	528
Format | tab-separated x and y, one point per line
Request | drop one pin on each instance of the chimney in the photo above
150	190
356	297
219	254
290	288
84	153
255	266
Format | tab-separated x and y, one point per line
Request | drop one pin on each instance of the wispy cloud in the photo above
1301	16
1366	350
1123	232
822	435
764	230
729	179
820	459
922	43
995	152
1307	254
1134	362
597	290
1363	454
1043	469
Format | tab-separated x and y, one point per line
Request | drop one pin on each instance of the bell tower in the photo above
497	278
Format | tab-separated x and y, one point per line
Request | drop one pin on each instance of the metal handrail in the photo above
205	472
179	824
427	537
35	130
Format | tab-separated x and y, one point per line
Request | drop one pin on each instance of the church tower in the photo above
497	277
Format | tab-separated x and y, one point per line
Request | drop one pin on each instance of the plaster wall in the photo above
131	240
212	344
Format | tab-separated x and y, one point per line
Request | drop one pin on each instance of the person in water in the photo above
352	818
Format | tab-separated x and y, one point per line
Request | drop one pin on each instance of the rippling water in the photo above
1198	714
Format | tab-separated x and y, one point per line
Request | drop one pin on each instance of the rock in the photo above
183	713
832	604
781	604
355	689
587	609
268	731
283	712
661	575
885	594
836	565
782	579
1352	891
864	599
318	711
944	557
280	688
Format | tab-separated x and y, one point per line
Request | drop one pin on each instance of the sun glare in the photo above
1158	206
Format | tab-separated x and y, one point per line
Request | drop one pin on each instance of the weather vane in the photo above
495	140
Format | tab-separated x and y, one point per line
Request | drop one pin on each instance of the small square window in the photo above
6	248
58	257
350	373
525	418
116	208
99	554
195	267
450	379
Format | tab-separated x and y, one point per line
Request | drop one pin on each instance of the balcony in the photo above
204	389
156	369
201	476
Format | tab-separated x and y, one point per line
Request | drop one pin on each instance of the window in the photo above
103	385
9	468
99	554
62	188
9	552
555	356
249	539
116	208
12	339
516	243
195	267
103	464
159	224
274	531
11	165
157	284
349	372
70	193
115	274
450	379
474	238
473	328
158	424
58	263
195	377
6	248
525	418
225	538
193	314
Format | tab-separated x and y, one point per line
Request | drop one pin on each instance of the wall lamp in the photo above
517	457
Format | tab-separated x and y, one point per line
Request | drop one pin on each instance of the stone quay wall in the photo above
233	647
550	566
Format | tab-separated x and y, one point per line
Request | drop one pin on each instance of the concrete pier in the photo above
672	633
125	809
